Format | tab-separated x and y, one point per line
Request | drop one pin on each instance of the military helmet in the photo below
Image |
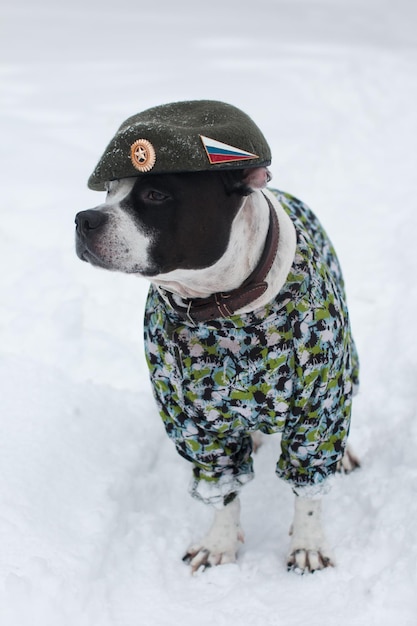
190	136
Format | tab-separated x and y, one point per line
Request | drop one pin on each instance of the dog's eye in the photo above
156	196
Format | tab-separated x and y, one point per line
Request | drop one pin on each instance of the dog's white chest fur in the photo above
246	243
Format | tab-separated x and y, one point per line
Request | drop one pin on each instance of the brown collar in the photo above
226	304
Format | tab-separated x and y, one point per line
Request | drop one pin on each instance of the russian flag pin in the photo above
219	152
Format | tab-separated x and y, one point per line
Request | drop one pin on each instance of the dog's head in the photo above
176	177
155	224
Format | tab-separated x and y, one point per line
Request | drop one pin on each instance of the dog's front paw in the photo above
303	561
308	550
221	543
349	462
201	556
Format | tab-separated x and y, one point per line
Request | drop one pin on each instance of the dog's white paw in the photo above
303	561
207	554
257	440
308	549
221	543
349	462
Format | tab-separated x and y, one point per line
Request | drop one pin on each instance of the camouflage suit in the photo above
289	367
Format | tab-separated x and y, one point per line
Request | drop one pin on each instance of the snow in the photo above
94	513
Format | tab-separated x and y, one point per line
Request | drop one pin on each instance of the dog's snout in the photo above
91	219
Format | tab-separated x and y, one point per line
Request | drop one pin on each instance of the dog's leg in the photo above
349	462
308	551
256	440
221	543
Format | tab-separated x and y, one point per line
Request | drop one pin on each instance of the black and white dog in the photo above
193	235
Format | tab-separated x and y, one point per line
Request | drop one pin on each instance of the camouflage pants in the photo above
289	367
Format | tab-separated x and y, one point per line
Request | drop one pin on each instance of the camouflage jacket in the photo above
289	367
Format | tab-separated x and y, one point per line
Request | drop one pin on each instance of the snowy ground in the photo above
94	512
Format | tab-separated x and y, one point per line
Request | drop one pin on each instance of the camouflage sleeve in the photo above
314	436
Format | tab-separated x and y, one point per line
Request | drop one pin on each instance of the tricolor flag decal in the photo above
219	152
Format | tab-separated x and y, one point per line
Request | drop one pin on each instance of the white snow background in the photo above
94	509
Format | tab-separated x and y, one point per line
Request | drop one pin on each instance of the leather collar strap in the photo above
226	304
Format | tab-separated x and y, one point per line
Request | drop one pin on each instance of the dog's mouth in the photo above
109	262
87	255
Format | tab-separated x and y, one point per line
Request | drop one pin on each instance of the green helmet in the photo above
191	136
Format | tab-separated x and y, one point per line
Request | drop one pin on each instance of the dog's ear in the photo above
256	177
246	180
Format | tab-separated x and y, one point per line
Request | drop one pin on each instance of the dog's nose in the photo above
90	220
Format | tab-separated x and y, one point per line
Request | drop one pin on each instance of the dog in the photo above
246	323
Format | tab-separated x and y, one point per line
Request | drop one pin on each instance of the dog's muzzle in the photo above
90	220
89	224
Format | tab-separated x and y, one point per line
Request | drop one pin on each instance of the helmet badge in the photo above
142	155
219	152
